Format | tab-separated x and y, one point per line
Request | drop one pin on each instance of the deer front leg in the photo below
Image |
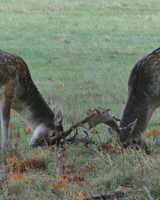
5	108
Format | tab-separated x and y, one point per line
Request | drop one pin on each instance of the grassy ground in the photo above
80	54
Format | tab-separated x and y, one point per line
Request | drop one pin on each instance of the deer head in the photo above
45	132
129	136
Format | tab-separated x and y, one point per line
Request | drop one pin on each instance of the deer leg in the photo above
5	107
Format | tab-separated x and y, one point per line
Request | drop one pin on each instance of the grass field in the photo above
80	54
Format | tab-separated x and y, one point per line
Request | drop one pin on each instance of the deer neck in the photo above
138	107
33	109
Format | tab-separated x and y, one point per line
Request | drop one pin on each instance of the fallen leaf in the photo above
27	129
89	111
88	97
14	164
59	38
16	178
79	196
69	194
89	169
34	162
60	184
156	131
50	79
64	149
122	189
15	144
59	86
108	146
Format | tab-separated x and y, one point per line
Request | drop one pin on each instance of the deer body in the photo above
143	91
143	99
18	91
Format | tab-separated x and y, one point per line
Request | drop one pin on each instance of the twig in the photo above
115	194
58	193
148	193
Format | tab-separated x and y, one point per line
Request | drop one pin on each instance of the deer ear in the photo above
112	132
131	127
58	118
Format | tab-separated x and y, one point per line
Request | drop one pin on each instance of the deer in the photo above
18	92
143	99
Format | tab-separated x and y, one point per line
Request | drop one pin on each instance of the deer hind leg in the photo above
5	108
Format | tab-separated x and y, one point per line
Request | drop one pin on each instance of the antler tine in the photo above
104	109
116	118
80	123
98	111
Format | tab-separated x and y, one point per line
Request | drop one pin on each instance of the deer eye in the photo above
53	134
134	142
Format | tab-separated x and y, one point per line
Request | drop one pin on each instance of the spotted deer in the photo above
18	92
143	99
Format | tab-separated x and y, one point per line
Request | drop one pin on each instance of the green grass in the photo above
89	47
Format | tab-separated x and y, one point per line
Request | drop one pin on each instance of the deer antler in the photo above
116	118
100	115
94	119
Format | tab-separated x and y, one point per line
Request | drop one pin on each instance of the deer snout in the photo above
33	142
33	145
38	142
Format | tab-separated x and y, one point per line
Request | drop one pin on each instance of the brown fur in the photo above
143	99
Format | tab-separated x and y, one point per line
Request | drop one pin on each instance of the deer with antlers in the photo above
143	99
18	92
